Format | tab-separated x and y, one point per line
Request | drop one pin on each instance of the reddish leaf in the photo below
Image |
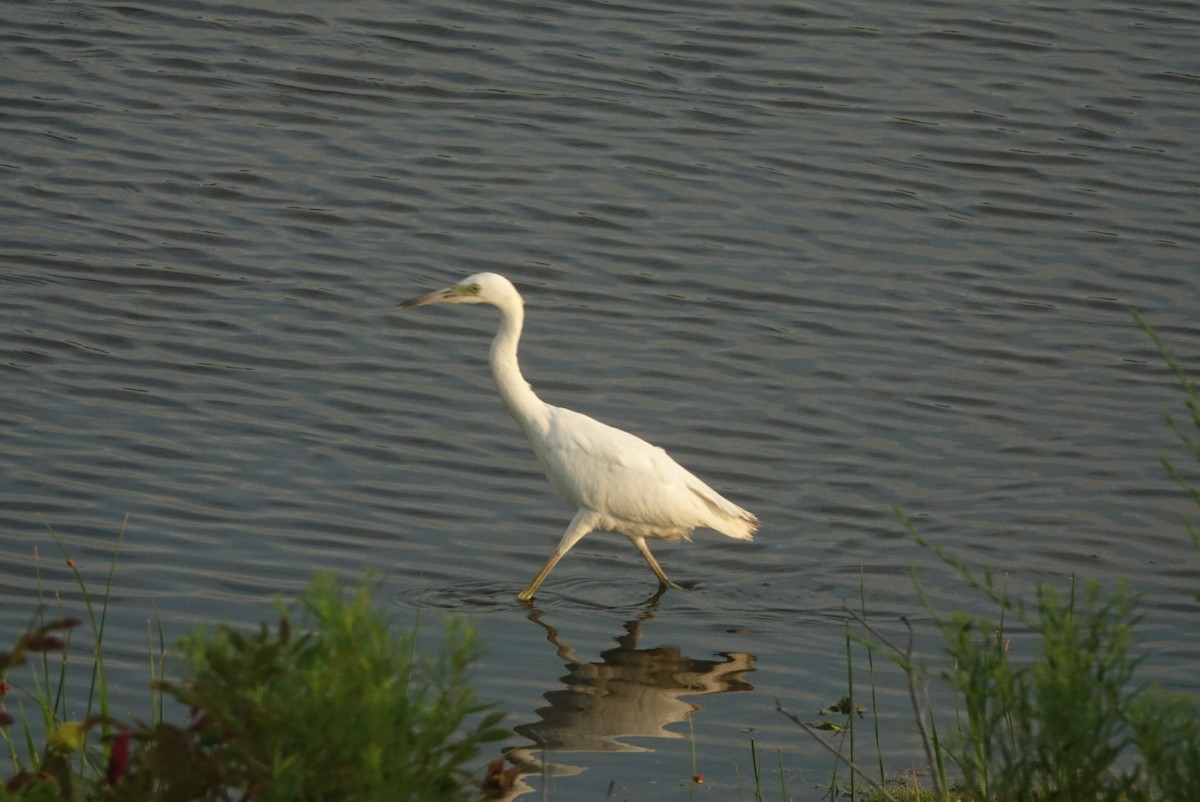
118	757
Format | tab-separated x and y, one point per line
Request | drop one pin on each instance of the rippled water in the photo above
834	257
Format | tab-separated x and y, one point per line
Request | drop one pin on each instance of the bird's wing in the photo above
615	473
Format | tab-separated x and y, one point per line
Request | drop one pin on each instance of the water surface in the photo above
835	258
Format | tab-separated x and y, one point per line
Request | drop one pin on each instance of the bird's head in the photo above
481	288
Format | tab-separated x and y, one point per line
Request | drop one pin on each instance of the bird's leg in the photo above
583	522
527	594
640	542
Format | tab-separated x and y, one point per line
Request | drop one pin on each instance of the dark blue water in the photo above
835	258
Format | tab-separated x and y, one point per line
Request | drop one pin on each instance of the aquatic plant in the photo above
1067	719
329	703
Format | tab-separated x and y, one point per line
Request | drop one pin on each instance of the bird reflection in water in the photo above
628	693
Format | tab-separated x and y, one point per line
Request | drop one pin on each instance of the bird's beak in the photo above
448	295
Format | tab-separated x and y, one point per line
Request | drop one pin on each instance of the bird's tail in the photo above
741	526
728	518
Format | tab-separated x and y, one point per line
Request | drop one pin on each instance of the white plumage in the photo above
618	482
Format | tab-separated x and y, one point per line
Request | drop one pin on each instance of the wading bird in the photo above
619	482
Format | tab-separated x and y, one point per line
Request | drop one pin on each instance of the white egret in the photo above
619	482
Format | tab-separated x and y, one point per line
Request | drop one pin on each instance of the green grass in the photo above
328	703
45	647
1066	720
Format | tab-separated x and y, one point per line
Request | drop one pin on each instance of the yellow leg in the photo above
583	522
527	594
640	542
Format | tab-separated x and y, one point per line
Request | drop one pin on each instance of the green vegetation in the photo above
1053	725
330	703
1191	400
1066	720
333	706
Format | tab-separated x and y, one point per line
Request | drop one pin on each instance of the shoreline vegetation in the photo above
331	702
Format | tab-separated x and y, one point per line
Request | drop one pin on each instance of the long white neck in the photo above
526	408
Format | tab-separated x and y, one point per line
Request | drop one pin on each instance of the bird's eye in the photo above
473	289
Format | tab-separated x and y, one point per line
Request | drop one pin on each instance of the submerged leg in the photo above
640	542
583	522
